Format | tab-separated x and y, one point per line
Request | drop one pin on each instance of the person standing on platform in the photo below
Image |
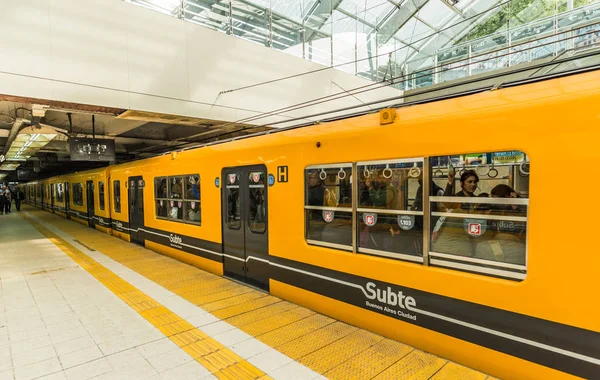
8	201
18	197
2	201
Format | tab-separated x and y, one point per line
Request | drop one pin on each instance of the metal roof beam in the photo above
436	30
396	21
427	49
453	8
324	8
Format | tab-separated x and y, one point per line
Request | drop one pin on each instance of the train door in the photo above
245	230
52	194
67	204
136	209
90	203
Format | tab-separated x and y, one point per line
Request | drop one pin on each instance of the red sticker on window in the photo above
474	229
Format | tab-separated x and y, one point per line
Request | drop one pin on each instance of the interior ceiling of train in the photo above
35	135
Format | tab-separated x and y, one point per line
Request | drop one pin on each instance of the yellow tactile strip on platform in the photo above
219	360
332	348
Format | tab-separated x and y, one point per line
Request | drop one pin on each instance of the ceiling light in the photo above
9	166
27	144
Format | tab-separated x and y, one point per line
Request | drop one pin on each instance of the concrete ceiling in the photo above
136	134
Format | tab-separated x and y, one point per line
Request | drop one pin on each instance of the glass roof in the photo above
376	38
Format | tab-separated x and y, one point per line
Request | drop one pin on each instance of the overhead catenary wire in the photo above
425	73
424	92
345	93
441	88
377	85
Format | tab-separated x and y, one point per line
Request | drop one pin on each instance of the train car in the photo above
156	201
46	195
36	192
422	223
55	195
58	194
30	193
85	198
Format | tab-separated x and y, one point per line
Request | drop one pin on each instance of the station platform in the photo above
79	304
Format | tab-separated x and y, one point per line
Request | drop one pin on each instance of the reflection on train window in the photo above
175	189
257	218
192	187
232	191
328	205
160	197
59	193
390	208
78	194
101	195
160	188
192	213
191	204
479	224
117	195
175	204
175	209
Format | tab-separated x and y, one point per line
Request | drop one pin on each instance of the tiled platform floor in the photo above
98	309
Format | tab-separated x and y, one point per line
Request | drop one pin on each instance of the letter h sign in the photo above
282	174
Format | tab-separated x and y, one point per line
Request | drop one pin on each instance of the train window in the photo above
59	193
232	190
191	204
192	187
178	198
479	224
101	195
78	194
175	187
328	205
257	218
160	197
175	195
117	195
390	208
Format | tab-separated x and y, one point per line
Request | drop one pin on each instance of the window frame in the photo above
430	257
183	199
387	211
60	196
101	196
492	268
264	187
117	204
308	208
77	196
228	186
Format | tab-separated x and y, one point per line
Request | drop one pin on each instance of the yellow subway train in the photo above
421	223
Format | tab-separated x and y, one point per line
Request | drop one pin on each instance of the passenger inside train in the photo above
492	226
